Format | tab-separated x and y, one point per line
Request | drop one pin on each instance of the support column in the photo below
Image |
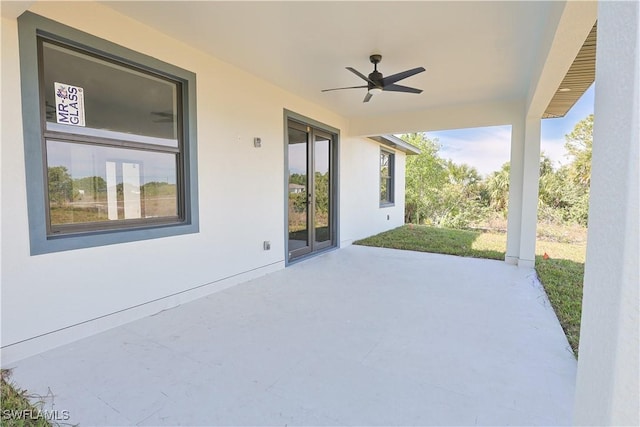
523	193
607	388
530	183
514	211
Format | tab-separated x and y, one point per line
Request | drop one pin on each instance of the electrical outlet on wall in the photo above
266	245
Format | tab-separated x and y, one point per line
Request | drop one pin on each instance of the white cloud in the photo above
554	149
487	149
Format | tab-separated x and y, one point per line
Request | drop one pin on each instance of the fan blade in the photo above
403	75
400	88
367	97
340	88
362	76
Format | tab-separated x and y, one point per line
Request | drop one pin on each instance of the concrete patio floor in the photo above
356	336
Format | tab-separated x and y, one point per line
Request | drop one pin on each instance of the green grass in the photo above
439	240
16	409
561	274
562	280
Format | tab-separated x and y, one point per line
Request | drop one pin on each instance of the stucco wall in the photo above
608	381
241	198
360	201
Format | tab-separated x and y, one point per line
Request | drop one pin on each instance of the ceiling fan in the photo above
376	82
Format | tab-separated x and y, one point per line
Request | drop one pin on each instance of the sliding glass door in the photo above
310	189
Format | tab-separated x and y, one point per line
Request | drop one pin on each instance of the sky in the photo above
488	148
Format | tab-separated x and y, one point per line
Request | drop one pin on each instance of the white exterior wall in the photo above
608	381
241	199
360	203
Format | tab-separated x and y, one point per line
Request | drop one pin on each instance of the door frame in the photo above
333	174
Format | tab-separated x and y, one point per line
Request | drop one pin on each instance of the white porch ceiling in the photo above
474	52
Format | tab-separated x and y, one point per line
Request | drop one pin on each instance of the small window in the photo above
386	178
109	135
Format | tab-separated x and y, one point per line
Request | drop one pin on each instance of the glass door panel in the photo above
322	190
298	204
310	188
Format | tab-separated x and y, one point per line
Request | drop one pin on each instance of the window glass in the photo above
386	177
298	186
116	98
93	183
109	140
322	184
112	146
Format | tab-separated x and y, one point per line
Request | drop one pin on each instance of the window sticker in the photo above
69	104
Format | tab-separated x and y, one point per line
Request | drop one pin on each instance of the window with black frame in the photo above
112	141
386	177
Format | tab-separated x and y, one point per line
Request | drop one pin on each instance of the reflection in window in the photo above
322	158
113	142
298	182
91	183
116	98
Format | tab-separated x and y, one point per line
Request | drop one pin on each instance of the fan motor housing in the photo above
375	77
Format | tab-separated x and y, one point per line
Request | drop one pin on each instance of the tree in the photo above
425	177
60	185
564	194
463	174
497	187
460	197
321	184
157	188
552	199
443	193
579	144
91	186
577	174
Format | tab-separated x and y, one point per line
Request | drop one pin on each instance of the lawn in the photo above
561	273
16	409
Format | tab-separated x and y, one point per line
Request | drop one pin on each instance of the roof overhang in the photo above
578	79
396	143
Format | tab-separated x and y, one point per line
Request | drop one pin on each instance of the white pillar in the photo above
608	367
514	211
530	180
523	193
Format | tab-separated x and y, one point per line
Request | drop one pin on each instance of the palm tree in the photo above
498	189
